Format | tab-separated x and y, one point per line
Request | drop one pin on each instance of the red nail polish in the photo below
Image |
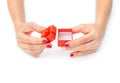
44	41
49	46
72	55
66	45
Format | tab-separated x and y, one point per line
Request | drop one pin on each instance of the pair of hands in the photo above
89	43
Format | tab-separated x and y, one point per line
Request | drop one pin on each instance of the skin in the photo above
89	43
33	46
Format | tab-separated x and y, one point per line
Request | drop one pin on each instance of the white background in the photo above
55	65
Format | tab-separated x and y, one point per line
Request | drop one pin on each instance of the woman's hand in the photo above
89	43
31	45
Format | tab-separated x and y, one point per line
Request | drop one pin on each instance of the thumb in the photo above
81	28
36	27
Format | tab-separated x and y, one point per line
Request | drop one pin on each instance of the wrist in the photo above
19	25
101	25
101	21
100	28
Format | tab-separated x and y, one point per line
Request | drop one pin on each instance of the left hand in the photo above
32	45
89	43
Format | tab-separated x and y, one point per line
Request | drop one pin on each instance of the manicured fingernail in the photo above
49	46
66	45
71	54
44	41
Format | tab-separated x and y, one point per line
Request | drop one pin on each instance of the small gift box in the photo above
64	35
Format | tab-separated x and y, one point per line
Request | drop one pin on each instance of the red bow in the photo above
49	33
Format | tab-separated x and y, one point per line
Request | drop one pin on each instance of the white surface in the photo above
55	65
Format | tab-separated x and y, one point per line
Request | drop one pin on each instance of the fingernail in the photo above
44	41
66	45
71	54
49	46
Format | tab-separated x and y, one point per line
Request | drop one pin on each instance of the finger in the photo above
35	53
31	40
83	47
81	53
34	47
81	28
77	42
36	27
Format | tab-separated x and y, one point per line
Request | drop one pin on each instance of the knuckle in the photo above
83	39
77	41
86	30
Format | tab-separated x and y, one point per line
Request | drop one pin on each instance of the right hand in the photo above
32	45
